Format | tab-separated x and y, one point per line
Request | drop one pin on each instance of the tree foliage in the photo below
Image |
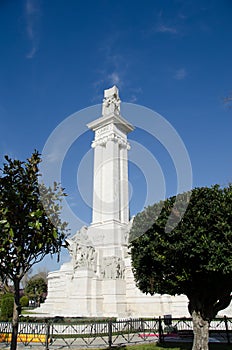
30	223
29	227
36	288
24	301
192	258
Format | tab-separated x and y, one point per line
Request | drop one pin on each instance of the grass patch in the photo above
26	312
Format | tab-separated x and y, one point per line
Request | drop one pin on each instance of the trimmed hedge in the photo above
7	306
24	301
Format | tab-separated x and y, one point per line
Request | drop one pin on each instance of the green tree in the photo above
30	224
192	257
36	288
7	306
24	301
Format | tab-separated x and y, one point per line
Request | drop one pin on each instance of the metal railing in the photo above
111	332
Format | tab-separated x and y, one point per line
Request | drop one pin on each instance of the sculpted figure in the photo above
81	250
111	101
112	268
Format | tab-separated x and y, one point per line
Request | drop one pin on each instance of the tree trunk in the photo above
16	313
200	331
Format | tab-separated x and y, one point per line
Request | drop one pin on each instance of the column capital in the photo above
102	141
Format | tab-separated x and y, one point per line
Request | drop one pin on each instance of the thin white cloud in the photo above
32	53
161	28
114	61
114	78
134	92
32	13
180	74
133	99
182	16
30	7
114	68
107	80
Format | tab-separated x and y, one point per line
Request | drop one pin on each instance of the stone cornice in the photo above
112	136
117	120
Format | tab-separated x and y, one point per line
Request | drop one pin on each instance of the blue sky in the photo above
173	57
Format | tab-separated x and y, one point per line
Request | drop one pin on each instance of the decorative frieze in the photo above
112	136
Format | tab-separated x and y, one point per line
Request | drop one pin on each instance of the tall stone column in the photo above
124	195
98	184
110	183
110	201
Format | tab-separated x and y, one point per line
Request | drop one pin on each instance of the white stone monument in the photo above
98	281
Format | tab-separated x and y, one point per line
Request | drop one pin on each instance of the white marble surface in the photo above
98	280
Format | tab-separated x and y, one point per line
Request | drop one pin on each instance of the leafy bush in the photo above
7	306
24	301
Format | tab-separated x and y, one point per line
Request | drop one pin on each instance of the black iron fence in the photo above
112	332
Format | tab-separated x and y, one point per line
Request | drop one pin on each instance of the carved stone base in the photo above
103	286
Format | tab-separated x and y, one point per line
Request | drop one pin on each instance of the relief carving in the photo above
82	251
112	268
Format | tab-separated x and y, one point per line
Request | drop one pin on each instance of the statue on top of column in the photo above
111	101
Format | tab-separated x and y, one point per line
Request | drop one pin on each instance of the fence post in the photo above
47	335
227	330
110	333
161	334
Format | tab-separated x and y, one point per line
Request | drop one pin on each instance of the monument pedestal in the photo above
85	296
114	298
